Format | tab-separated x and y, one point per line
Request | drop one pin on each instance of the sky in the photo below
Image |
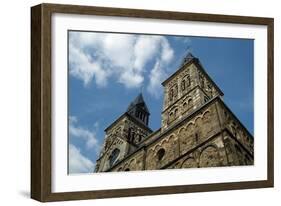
106	71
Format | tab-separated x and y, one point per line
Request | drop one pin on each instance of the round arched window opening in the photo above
160	154
114	156
127	170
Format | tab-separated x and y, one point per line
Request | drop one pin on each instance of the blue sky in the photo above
108	70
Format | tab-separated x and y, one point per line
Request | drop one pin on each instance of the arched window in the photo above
160	154
132	136
129	133
176	91
184	105
140	138
176	112
188	81
143	117
183	85
171	94
127	169
171	115
189	102
114	156
196	137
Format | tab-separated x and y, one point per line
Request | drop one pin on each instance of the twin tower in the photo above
197	129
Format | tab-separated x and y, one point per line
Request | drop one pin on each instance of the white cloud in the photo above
123	57
157	75
77	131
79	163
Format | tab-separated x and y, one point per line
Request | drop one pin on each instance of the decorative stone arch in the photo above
209	157
171	136
157	147
190	126
198	122
132	164
164	141
187	98
199	117
206	114
189	162
181	130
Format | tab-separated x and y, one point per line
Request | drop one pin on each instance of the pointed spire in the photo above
139	110
188	58
138	101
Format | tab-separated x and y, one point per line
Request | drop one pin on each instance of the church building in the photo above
197	129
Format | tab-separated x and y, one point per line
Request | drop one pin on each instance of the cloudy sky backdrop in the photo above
108	70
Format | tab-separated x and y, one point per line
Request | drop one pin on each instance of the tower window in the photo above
176	112
188	81
160	154
171	94
114	156
196	137
189	103
206	98
132	136
176	91
183	85
140	138
129	133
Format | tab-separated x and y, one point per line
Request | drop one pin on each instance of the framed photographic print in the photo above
132	102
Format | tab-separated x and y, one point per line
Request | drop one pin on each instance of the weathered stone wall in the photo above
203	140
134	162
210	154
237	130
237	155
184	138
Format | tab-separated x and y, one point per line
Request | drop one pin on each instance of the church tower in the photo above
197	129
186	90
125	134
139	110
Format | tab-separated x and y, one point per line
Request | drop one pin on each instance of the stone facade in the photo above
197	130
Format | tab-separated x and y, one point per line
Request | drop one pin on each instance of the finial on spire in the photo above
188	55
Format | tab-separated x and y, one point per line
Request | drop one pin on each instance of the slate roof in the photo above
138	101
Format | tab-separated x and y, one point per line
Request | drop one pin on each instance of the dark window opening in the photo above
176	112
189	102
160	154
183	85
196	137
188	81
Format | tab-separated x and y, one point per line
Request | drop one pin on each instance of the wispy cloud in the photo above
79	163
122	57
89	136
